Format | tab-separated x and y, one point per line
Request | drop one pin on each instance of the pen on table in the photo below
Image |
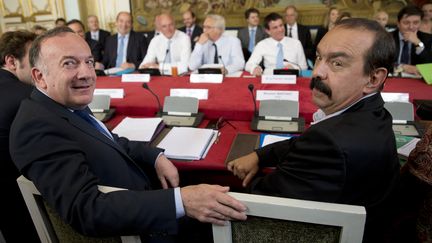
217	137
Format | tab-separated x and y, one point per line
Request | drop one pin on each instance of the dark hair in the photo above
12	43
382	52
249	11
76	21
409	11
35	49
271	17
343	15
60	20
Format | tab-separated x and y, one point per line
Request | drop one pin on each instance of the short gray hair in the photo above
219	21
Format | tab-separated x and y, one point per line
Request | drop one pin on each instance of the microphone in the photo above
145	86
163	63
295	64
223	64
251	88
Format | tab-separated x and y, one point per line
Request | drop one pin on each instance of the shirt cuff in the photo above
180	212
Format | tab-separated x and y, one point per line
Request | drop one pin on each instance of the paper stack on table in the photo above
139	129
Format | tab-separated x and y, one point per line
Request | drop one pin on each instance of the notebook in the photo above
426	72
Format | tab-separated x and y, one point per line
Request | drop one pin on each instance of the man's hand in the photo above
203	38
166	171
150	65
257	71
411	69
411	37
127	65
211	204
244	167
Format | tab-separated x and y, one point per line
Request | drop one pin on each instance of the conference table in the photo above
231	100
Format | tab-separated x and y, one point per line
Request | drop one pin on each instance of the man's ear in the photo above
11	63
38	78
376	80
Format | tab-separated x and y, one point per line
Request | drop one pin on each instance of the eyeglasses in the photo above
221	122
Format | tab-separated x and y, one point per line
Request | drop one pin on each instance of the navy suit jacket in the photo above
243	35
306	39
195	34
136	50
67	158
96	49
350	159
425	56
103	35
12	91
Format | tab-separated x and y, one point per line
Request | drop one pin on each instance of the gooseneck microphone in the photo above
251	89
145	86
295	64
223	64
163	63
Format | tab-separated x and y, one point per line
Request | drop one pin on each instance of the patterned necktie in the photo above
279	57
216	56
120	53
168	53
86	116
189	32
405	57
289	32
251	40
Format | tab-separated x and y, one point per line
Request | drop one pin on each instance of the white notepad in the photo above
187	143
137	129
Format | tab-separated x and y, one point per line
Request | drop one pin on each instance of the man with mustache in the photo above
348	154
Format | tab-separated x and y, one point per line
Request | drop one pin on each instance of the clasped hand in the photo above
244	167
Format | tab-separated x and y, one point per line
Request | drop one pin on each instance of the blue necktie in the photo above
120	53
168	53
405	57
251	40
279	57
86	116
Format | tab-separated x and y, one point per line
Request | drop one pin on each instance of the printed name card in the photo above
113	93
278	79
133	77
201	94
277	95
206	78
395	97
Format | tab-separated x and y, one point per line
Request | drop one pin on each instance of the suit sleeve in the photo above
310	167
66	181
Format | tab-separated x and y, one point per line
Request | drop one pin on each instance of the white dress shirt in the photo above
180	51
94	35
229	49
267	49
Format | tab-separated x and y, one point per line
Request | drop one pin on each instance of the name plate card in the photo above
395	97
201	94
143	78
278	79
113	93
206	78
277	95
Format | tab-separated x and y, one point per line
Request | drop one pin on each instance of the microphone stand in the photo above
145	86
163	63
295	64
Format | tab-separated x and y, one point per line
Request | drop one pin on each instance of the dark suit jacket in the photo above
12	92
195	34
96	49
103	35
306	40
425	56
67	158
136	50
320	34
350	158
243	35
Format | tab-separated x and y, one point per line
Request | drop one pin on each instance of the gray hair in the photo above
219	21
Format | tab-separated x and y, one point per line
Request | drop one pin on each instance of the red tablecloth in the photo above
231	99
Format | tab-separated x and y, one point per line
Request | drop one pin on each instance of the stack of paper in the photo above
139	129
405	145
188	143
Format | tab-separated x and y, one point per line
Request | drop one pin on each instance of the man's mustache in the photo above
318	84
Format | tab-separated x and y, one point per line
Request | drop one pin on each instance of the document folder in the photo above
243	144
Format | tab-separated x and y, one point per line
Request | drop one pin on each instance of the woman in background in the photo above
329	22
426	24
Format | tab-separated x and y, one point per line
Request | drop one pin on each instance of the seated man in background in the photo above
170	48
68	154
95	32
412	46
348	154
299	32
126	49
190	27
95	47
15	85
215	48
252	34
382	17
277	51
60	22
